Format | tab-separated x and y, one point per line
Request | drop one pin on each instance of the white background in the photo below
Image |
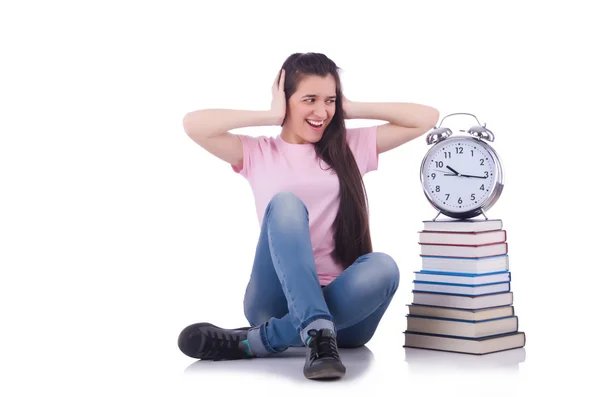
117	230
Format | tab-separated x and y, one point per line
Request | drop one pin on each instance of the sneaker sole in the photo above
331	371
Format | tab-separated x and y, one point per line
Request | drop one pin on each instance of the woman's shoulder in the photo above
357	137
362	141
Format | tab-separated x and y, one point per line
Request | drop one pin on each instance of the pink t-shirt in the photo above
272	165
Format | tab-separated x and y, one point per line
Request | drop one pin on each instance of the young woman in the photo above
316	281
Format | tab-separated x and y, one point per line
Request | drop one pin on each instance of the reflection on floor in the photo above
420	360
288	364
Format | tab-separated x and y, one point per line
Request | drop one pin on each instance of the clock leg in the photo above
438	214
484	215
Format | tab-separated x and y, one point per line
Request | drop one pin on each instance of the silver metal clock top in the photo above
477	131
480	132
437	135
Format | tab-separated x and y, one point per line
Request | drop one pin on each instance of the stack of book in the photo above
462	297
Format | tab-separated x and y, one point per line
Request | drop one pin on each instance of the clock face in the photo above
459	174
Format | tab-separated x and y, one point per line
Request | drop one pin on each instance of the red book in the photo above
462	238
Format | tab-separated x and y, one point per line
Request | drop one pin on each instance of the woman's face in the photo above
310	109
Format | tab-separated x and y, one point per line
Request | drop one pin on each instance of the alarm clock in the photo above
461	176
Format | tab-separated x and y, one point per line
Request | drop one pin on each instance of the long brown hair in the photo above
352	233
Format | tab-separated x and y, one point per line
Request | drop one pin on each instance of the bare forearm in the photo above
398	113
211	122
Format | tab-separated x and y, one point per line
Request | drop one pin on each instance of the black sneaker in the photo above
322	358
206	341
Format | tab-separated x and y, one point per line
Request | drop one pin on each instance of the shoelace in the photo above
223	345
323	346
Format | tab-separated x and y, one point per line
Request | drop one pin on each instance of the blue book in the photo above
463	278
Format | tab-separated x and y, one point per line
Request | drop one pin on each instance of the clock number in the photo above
481	187
486	174
459	150
480	161
447	196
437	188
472	196
447	155
472	153
439	164
460	200
433	175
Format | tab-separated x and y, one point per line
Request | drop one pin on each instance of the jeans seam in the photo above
283	280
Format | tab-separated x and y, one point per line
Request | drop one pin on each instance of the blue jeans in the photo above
284	298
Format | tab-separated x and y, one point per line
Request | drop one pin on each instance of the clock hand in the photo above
466	176
453	170
475	176
445	172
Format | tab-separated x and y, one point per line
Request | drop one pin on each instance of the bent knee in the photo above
288	207
386	266
286	200
374	272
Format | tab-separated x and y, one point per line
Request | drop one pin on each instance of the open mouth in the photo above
316	125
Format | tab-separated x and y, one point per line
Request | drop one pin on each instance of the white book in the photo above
463	225
457	289
463	301
465	265
486	345
461	314
462	238
464	251
462	328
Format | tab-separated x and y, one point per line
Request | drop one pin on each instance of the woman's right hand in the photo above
278	103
